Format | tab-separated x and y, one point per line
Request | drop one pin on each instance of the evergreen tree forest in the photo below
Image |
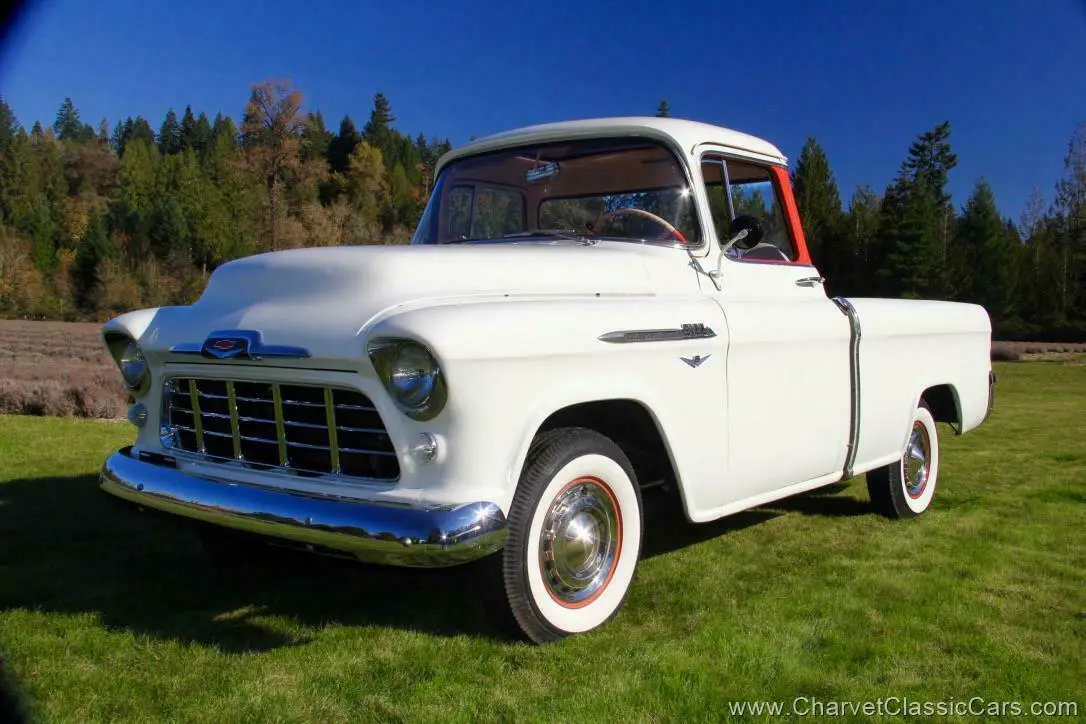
912	242
96	220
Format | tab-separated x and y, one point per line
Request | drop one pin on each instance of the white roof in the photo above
686	134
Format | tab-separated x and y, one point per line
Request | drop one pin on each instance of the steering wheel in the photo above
670	233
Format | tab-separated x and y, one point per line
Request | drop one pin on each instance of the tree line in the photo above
912	242
94	222
97	221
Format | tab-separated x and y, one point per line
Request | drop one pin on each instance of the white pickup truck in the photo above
586	309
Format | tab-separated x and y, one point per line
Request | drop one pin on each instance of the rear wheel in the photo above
574	535
905	488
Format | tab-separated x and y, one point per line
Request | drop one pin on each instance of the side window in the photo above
498	212
460	199
484	212
716	188
753	193
746	188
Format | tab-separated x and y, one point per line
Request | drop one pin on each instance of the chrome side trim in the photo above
854	383
686	331
367	530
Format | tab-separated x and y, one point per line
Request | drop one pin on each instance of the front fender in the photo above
513	362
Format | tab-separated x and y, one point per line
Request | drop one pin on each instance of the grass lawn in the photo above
109	615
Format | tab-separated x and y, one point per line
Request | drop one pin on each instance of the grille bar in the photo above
232	402
197	423
280	432
333	443
309	430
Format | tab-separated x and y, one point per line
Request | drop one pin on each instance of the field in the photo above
110	615
57	368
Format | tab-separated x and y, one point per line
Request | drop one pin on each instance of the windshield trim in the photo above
666	141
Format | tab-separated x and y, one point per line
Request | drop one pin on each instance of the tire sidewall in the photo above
571	620
921	503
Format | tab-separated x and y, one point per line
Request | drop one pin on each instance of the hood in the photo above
322	298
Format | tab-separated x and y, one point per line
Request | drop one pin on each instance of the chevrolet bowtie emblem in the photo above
695	360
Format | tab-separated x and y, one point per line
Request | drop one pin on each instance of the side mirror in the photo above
754	230
746	233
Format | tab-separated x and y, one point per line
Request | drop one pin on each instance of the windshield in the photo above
627	189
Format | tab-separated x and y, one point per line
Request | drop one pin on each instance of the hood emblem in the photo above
243	344
696	360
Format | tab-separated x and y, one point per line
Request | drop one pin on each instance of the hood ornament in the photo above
242	344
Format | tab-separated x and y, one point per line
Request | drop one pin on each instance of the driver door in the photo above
788	394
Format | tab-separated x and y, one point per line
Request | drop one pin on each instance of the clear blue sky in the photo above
864	78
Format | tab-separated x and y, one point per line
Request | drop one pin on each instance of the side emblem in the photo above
695	360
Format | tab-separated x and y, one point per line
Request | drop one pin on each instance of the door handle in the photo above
810	281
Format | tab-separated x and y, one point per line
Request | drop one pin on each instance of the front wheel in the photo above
574	535
905	488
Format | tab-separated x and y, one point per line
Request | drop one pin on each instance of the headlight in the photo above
127	354
411	375
133	366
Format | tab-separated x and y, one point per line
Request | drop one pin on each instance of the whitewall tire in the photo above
905	488
574	535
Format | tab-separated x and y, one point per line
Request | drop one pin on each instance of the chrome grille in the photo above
307	429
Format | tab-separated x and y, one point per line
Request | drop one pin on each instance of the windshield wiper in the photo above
568	234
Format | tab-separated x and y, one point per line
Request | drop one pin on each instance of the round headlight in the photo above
412	375
133	366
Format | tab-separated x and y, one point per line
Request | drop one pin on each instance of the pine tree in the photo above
663	110
93	249
202	135
987	258
819	204
378	131
1070	211
224	128
187	133
861	226
67	126
8	125
342	146
916	221
169	134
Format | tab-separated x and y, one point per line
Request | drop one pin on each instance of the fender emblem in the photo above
695	360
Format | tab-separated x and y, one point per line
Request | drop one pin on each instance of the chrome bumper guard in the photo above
368	531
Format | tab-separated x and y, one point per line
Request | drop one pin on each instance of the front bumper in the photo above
368	531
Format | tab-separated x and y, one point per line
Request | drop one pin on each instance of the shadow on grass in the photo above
70	548
13	708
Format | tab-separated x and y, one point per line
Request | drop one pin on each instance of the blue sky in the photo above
864	78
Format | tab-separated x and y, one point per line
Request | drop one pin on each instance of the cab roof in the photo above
687	135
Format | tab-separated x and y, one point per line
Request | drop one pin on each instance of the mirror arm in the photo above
726	248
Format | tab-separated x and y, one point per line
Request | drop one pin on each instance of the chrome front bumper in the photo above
372	532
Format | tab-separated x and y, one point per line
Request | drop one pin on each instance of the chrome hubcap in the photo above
579	546
916	461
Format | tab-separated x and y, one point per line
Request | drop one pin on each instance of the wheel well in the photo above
943	402
630	425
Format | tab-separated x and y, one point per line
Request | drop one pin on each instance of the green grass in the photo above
110	615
